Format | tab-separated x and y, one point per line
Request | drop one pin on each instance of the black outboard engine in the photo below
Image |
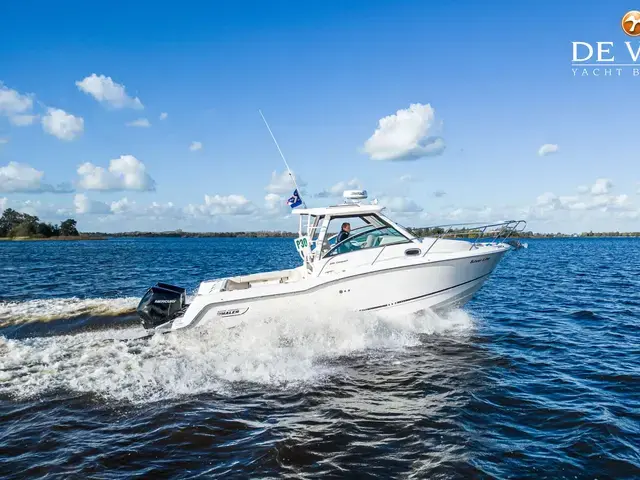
161	303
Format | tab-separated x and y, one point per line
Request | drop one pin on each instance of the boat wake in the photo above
284	352
47	310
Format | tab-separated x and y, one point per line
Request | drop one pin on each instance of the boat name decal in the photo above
232	311
480	260
339	261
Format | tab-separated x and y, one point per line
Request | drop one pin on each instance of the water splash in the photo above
281	352
47	310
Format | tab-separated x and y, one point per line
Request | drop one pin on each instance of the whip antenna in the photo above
283	159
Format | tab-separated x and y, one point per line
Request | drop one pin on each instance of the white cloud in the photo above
276	205
547	149
21	178
195	146
83	205
108	92
166	210
407	135
124	205
35	207
595	198
61	124
164	115
141	122
601	187
3	141
282	184
124	173
400	205
223	205
338	189
16	106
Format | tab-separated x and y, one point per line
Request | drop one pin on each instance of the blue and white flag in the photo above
294	200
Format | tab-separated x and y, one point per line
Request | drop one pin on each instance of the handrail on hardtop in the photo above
507	229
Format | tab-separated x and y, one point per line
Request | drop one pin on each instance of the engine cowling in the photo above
162	303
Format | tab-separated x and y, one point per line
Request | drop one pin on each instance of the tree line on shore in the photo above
15	224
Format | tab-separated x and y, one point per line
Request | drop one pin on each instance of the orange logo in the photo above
631	23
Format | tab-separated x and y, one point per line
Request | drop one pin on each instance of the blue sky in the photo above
490	84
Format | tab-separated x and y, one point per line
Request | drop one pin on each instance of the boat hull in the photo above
435	285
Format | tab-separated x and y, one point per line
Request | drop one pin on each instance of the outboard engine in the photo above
161	303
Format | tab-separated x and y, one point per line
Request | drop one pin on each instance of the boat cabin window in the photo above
367	231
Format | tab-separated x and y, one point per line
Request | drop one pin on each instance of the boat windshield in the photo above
370	231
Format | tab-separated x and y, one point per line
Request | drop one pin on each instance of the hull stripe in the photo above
406	300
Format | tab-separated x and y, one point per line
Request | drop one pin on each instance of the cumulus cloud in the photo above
400	205
276	206
36	208
61	124
16	106
124	173
108	92
338	189
282	184
124	205
223	205
547	149
596	197
407	135
195	146
164	115
83	205
141	122
602	186
21	178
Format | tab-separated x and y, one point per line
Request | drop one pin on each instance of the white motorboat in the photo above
381	267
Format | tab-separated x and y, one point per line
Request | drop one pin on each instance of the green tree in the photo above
9	220
47	230
68	228
25	229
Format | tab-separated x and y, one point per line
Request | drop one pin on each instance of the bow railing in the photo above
491	233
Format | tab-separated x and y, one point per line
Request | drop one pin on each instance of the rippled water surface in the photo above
538	377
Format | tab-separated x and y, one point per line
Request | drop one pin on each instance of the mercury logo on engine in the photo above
165	301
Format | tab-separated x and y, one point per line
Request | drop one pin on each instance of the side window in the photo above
368	237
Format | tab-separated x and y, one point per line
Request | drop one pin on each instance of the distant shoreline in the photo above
55	239
278	234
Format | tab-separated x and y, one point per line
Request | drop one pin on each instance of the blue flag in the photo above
294	200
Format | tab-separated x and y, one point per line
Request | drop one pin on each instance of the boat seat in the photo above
371	239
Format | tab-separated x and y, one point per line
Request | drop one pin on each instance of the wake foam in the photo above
46	310
282	352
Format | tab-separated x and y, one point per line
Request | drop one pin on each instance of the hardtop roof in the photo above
344	209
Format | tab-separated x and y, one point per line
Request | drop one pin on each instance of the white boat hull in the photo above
435	285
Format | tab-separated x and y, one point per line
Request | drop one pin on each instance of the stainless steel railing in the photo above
497	232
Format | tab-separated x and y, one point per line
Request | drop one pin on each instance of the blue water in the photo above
538	376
